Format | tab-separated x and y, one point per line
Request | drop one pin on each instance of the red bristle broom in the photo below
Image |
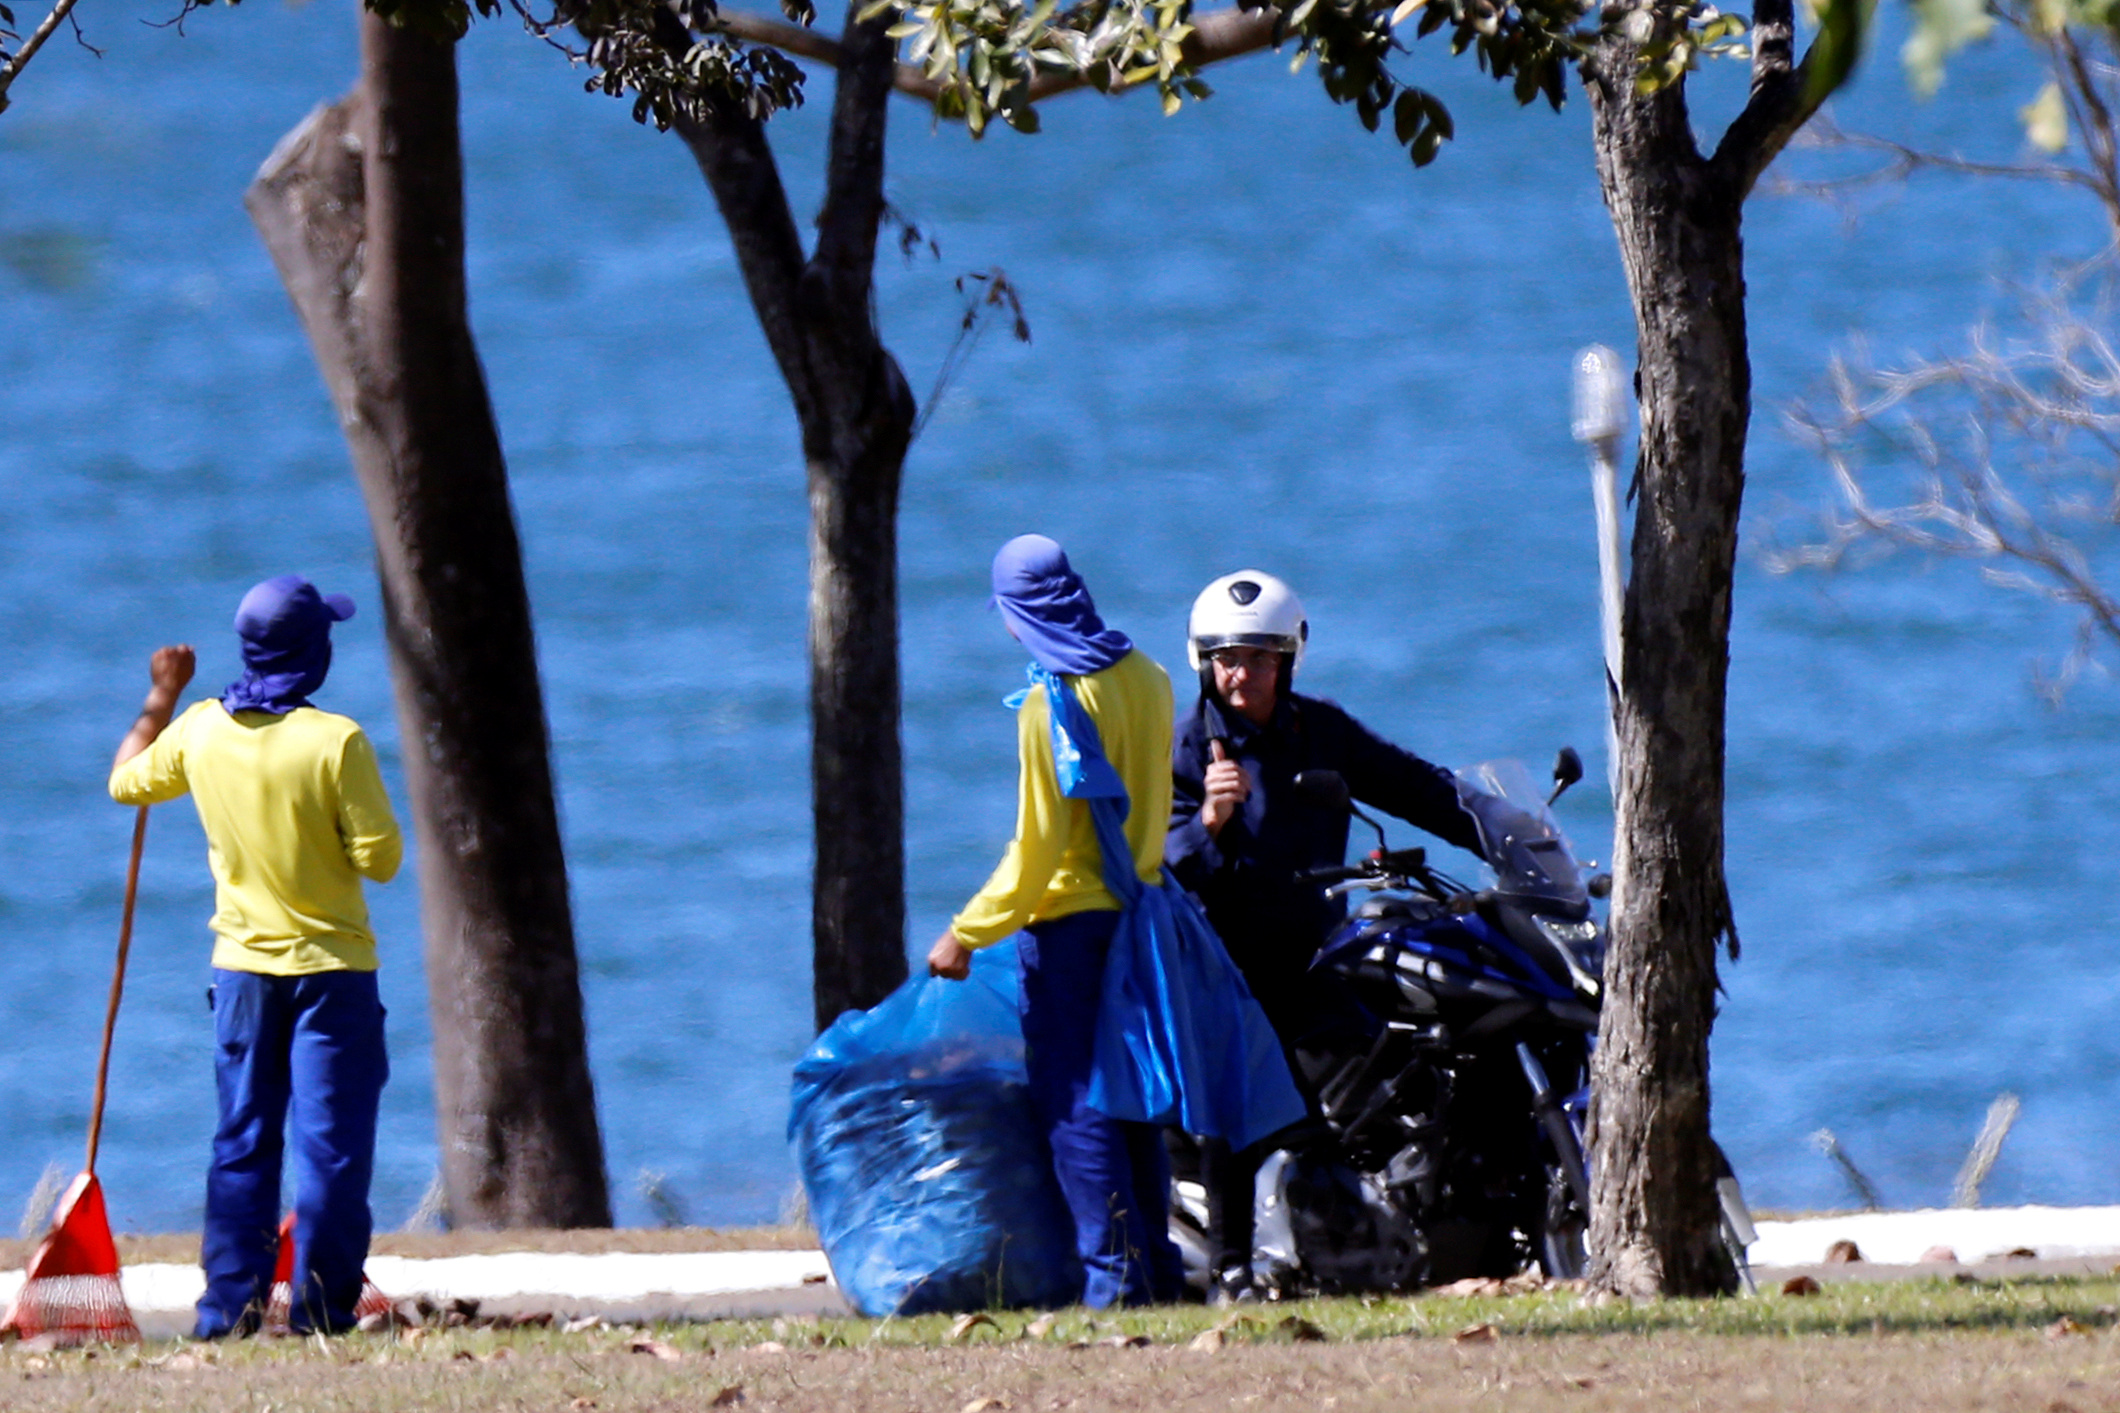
279	1306
71	1291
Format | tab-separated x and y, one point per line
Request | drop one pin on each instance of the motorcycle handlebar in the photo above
1333	873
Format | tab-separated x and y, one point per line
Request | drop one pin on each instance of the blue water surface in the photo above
1260	338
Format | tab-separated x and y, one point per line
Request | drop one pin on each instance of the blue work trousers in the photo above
299	1053
1114	1174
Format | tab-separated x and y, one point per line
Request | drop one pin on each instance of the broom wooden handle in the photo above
117	985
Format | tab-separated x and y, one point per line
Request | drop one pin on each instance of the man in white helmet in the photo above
1239	836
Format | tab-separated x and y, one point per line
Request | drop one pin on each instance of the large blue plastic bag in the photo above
928	1174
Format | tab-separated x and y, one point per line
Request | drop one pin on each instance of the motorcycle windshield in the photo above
1523	842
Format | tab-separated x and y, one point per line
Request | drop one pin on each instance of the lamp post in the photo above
1600	418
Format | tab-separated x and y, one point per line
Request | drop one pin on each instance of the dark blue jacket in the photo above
1272	924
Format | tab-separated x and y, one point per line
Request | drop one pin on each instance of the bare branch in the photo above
2010	453
1904	161
19	60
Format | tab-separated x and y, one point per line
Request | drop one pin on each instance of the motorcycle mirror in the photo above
1567	769
1324	789
1600	885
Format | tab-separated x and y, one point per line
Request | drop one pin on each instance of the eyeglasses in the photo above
1256	660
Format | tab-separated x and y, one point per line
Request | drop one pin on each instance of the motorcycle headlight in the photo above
1566	934
1566	937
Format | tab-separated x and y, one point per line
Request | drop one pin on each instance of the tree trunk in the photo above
362	209
1654	1216
856	414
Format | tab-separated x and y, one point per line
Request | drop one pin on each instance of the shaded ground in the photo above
183	1247
2039	1345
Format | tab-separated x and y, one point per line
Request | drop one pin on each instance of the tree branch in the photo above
1781	101
22	56
843	267
1824	132
737	161
1217	36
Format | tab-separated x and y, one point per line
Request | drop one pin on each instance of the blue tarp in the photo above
1180	1038
928	1174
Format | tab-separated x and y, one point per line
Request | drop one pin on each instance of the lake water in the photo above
1260	339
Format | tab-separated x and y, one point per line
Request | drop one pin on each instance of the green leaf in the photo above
1406	115
1941	29
1171	101
1841	27
1426	146
2046	120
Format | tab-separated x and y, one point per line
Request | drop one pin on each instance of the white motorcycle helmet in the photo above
1247	609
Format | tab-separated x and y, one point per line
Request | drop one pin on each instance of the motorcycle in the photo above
1447	1140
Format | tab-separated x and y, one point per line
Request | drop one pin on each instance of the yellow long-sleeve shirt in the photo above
1053	867
295	816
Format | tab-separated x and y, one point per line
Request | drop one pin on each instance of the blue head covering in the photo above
285	625
1049	607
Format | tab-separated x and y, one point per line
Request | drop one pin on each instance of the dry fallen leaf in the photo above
1471	1285
668	1353
815	1278
464	1356
2066	1326
769	1346
1127	1341
983	1405
1481	1333
582	1405
497	1356
584	1322
413	1337
1041	1327
1842	1253
1301	1330
2015	1253
1206	1342
1800	1285
1939	1255
727	1397
965	1324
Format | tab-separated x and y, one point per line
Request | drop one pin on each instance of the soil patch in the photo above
620	1372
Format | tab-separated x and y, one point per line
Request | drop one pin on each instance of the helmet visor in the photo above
1207	643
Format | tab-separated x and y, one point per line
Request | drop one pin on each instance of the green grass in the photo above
1853	1307
1907	1347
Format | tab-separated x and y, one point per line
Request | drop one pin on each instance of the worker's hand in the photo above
1228	785
171	668
948	958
